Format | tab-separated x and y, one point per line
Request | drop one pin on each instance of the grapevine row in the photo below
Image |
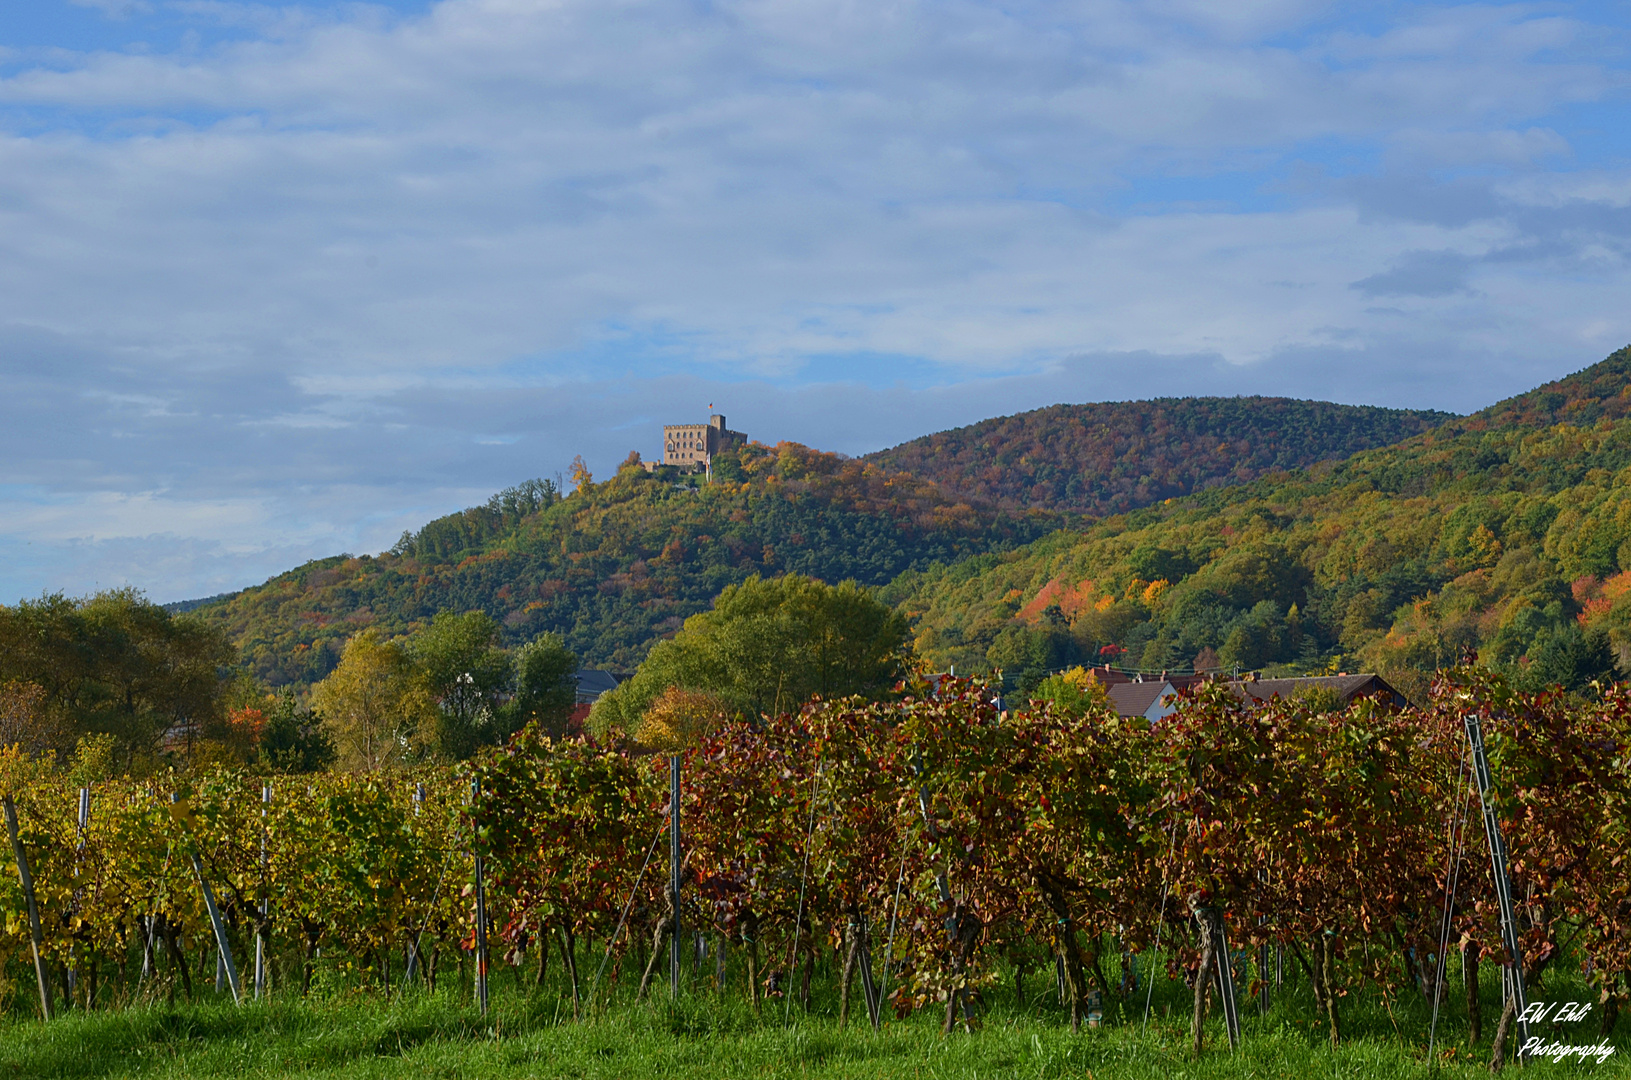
926	844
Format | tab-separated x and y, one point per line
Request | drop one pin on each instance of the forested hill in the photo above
1600	392
1500	531
1111	457
1506	533
616	564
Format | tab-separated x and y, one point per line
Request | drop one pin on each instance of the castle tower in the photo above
694	445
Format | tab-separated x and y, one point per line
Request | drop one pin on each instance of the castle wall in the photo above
695	444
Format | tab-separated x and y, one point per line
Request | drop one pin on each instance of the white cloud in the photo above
116	9
244	266
1429	149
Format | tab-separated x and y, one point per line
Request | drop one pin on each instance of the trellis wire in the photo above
481	903
1155	947
84	823
650	851
153	916
674	874
265	905
1458	839
894	920
430	908
804	877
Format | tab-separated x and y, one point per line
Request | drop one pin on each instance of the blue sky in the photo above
282	280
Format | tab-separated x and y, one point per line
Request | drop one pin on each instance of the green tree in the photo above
1073	692
1568	657
117	664
545	690
374	704
294	740
1263	635
1026	655
467	672
25	721
767	646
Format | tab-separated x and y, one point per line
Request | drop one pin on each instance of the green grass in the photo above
529	1034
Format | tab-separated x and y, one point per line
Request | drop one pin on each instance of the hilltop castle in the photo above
694	445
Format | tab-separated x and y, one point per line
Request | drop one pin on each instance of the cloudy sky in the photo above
281	280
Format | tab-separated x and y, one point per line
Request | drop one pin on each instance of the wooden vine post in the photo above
1512	980
413	942
869	986
223	947
1215	964
265	904
674	874
481	908
27	880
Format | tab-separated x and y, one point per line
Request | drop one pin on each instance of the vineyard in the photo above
911	853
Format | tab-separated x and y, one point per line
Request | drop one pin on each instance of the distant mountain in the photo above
1112	457
616	565
1600	392
1505	534
181	607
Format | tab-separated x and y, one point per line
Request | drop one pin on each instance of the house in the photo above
1110	677
1152	700
1136	695
1348	687
592	684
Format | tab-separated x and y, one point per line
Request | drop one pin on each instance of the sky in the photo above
280	281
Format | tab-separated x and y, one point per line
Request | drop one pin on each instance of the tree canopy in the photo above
441	692
375	704
545	687
1114	456
112	663
1506	535
468	674
769	645
620	563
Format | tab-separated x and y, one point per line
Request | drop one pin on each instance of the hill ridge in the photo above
1507	533
1596	392
618	564
1101	458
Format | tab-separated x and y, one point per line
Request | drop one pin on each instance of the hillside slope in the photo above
1600	392
1507	533
1112	457
617	564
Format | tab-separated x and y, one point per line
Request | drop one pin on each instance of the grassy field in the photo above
341	1033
